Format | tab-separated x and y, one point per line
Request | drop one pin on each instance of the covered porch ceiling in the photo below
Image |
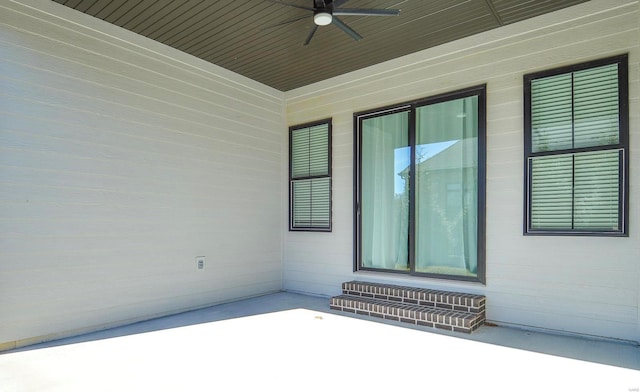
244	36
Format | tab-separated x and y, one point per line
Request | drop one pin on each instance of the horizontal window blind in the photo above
596	190
596	118
575	110
576	191
551	113
311	202
310	152
552	192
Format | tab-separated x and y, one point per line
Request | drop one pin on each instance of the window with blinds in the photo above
576	143
310	177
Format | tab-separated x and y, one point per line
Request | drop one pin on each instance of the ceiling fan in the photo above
326	12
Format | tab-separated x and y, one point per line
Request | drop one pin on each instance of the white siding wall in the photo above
585	285
121	160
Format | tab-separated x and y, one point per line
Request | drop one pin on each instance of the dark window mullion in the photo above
573	158
573	114
310	177
310	205
573	191
412	190
575	150
357	191
529	164
621	186
309	149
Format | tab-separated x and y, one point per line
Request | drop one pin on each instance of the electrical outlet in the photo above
200	262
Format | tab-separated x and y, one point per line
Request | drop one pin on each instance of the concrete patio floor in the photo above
293	342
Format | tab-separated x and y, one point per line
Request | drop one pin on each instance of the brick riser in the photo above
436	298
438	309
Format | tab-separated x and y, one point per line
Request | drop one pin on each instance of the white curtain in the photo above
385	199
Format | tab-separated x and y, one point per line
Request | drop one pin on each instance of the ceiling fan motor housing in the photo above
322	17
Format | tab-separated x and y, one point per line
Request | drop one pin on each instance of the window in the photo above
310	177
420	179
576	145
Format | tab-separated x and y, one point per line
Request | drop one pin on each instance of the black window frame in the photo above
622	145
292	129
481	92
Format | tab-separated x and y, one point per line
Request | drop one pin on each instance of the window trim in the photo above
292	129
411	106
623	145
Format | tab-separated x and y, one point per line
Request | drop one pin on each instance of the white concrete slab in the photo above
300	350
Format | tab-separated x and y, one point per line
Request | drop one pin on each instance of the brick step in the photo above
428	316
411	295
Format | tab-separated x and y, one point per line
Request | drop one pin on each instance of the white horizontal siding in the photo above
573	284
121	160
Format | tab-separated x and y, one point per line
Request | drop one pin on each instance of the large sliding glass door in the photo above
420	187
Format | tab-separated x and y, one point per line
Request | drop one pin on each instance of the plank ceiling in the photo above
238	34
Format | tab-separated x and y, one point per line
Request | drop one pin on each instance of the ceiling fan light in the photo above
322	18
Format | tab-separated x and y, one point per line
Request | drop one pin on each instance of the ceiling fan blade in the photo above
315	27
297	18
336	21
338	3
366	12
290	5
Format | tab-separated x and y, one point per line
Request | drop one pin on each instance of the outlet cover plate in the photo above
200	262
